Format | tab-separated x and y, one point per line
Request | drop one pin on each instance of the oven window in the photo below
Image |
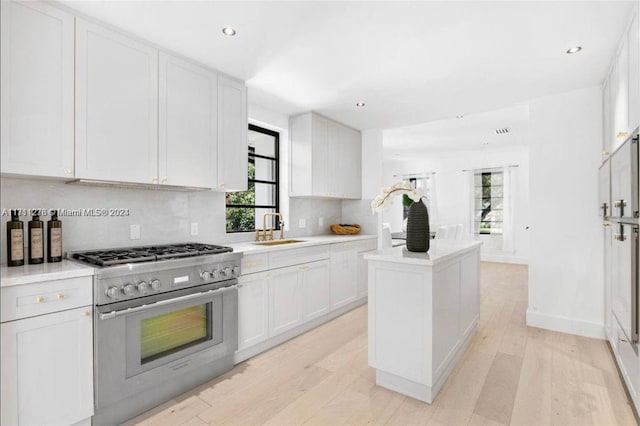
168	333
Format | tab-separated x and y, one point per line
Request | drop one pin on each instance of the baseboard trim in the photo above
565	325
499	258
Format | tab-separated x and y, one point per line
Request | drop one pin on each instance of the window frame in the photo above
478	206
276	183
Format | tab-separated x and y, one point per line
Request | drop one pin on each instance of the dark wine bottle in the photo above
15	240
54	238
36	240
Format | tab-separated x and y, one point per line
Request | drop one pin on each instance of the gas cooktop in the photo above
120	256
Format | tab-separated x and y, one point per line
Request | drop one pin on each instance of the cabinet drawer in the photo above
254	263
29	300
357	246
284	258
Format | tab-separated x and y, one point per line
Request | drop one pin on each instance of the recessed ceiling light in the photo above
459	116
360	104
228	31
574	49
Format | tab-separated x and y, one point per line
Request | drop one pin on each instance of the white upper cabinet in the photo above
633	42
188	123
37	89
606	122
621	105
232	135
116	106
325	158
604	189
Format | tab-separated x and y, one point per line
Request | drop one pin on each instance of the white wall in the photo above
565	263
452	187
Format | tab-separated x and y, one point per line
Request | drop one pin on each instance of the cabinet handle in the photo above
620	237
606	224
154	180
40	299
221	184
164	179
623	340
606	153
86	314
622	134
60	296
68	171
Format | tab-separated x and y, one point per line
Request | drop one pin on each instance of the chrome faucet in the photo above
263	232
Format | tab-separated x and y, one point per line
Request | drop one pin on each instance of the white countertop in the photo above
18	275
439	251
252	248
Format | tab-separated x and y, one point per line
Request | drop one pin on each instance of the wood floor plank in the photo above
412	412
499	389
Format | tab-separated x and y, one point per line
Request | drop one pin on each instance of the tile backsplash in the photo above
163	216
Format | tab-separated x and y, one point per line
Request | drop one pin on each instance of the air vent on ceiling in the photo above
502	131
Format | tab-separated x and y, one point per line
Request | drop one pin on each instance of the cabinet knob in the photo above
68	171
154	180
40	299
606	224
60	296
606	153
622	134
164	179
86	314
221	184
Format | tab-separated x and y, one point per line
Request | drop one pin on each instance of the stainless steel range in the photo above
166	320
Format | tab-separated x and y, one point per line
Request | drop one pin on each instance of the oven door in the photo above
154	340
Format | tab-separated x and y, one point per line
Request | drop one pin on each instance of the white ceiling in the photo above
472	132
411	62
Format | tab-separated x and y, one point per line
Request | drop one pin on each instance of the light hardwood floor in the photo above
510	374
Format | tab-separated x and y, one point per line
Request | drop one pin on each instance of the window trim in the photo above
276	183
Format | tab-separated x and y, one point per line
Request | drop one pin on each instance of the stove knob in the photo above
215	274
129	290
236	270
143	287
226	272
205	275
113	292
155	284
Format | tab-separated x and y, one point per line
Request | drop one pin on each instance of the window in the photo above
246	209
489	202
423	183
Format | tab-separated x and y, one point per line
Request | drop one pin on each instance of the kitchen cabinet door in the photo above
253	309
47	368
232	135
606	119
624	163
608	316
316	288
188	132
37	89
116	106
353	169
322	162
344	280
623	286
633	41
621	105
604	189
363	277
285	299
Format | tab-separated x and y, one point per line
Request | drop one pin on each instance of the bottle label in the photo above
55	234
17	244
36	243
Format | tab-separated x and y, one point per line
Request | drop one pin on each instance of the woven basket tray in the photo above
345	229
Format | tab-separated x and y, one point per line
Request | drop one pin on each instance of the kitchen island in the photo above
423	312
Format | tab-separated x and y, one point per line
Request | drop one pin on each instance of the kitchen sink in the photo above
278	242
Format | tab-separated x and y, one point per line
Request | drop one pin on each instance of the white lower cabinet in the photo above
363	286
253	309
285	299
316	289
47	368
344	275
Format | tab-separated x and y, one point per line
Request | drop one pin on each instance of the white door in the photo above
232	135
285	300
47	368
344	280
253	309
188	132
37	89
316	287
116	106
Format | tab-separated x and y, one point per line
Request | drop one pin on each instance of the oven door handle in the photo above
114	314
